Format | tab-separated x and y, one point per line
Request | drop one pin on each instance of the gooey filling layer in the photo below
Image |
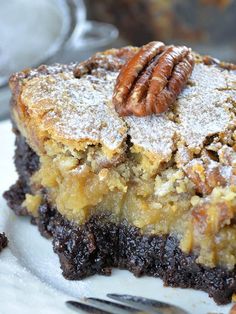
194	202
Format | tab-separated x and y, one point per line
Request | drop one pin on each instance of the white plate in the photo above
30	275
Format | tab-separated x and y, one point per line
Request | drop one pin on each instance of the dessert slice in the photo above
128	160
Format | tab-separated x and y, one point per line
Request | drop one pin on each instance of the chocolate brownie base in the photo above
3	241
99	244
26	162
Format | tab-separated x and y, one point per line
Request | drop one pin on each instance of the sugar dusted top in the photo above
78	111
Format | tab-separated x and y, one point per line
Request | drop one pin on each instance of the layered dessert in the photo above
128	160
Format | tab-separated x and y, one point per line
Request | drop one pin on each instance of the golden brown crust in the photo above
72	106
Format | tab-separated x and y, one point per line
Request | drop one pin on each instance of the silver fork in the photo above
135	305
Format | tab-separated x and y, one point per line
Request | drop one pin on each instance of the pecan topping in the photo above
152	79
208	174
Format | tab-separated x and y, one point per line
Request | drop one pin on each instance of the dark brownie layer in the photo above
26	162
3	241
98	245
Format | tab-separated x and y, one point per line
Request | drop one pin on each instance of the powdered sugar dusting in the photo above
80	109
76	109
205	78
201	110
202	116
153	133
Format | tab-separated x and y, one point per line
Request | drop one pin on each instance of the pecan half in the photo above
207	174
152	79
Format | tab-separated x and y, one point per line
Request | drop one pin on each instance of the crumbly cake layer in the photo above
99	244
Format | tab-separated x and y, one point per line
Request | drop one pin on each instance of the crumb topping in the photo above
76	109
81	110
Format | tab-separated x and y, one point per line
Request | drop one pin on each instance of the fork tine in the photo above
147	304
86	308
123	309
